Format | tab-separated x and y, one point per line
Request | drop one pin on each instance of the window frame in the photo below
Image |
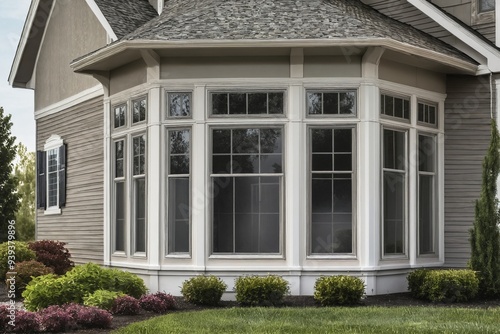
168	176
225	90
429	104
354	204
404	97
331	90
138	99
167	93
55	142
123	179
282	202
132	193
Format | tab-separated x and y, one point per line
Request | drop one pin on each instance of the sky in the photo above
15	101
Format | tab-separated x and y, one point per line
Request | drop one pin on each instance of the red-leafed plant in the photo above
53	254
56	319
26	322
126	305
158	303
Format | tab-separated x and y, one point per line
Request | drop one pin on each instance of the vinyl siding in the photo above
82	220
467	130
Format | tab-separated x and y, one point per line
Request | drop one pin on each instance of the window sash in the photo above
247	103
179	104
331	102
53	178
395	107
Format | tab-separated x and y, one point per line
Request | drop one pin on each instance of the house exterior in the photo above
297	138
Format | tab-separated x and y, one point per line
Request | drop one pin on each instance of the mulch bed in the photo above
392	300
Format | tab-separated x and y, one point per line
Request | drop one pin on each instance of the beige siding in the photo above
128	76
73	31
467	130
487	30
225	67
332	66
81	221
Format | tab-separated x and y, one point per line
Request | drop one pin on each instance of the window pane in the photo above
314	103
245	164
120	206
348	103
276	103
120	113
398	108
222	190
139	155
322	193
139	110
270	163
222	141
140	215
119	158
342	193
486	5
257	103
331	103
270	141
343	140
420	112
219	104
432	115
426	214
394	149
179	164
178	215
394	212
322	162
322	140
221	164
342	162
179	141
52	188
246	141
389	105
237	103
426	153
179	104
53	180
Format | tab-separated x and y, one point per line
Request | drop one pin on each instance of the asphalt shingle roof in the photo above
281	19
125	16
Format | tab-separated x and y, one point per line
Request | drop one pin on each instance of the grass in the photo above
324	320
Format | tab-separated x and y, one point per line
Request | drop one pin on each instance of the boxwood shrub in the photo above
448	286
203	290
261	291
338	290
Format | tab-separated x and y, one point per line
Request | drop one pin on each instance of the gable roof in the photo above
125	16
281	19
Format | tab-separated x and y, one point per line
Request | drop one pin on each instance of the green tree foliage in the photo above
25	174
484	235
9	199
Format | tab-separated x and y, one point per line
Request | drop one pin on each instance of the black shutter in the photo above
62	176
41	180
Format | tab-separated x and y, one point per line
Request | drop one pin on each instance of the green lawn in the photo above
324	320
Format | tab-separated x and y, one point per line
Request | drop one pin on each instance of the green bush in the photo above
102	299
25	271
203	290
77	283
449	285
265	291
338	290
416	281
19	252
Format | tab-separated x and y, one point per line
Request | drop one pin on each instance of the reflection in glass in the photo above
178	215
140	214
179	104
139	110
120	206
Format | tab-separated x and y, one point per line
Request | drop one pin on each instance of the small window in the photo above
179	104
120	203
120	115
397	107
139	193
251	103
486	5
331	103
427	114
139	110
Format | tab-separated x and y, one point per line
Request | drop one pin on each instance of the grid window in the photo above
179	191
426	194
427	114
139	110
331	228
331	103
179	104
53	179
120	115
396	107
247	190
250	103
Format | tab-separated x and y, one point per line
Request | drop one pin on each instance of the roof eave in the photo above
86	63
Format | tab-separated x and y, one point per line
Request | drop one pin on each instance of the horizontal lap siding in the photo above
82	220
467	129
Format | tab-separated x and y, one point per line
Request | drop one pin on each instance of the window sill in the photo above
332	257
246	257
52	211
178	256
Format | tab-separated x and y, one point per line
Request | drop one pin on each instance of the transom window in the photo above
397	107
331	102
120	115
331	228
247	182
179	104
247	103
486	5
427	114
139	110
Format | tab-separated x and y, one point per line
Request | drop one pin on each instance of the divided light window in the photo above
396	107
426	194
250	103
332	171
331	102
179	104
178	182
427	114
247	182
139	193
120	204
394	191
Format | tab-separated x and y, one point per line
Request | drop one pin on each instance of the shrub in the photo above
22	253
82	280
93	317
255	290
449	285
26	322
26	270
4	320
338	290
102	299
415	282
203	290
56	319
126	305
157	303
53	254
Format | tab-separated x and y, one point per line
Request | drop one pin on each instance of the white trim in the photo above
88	61
100	16
53	142
70	102
492	54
